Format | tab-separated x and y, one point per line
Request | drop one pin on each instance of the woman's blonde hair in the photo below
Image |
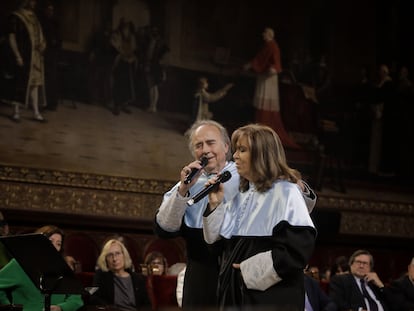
268	159
103	265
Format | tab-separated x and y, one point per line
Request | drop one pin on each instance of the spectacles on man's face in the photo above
361	263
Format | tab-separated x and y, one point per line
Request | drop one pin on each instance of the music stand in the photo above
43	264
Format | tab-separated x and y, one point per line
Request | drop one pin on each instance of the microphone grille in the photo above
203	161
225	176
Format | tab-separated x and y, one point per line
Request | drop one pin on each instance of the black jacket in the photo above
105	293
318	299
403	294
345	292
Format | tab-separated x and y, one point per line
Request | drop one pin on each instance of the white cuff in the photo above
258	272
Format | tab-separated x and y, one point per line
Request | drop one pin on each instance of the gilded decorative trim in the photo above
82	201
370	224
362	205
83	180
99	195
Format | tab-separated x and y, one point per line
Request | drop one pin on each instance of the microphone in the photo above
194	171
223	177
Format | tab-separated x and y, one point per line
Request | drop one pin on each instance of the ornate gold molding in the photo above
79	193
363	205
83	180
371	224
82	201
365	217
84	194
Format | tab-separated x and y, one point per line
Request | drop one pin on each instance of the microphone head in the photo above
203	161
225	176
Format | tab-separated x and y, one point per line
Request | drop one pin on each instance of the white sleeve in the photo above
258	272
170	214
212	224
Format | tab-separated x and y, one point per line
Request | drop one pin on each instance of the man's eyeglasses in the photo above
363	263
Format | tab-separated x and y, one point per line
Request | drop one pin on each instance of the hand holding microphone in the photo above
194	170
223	177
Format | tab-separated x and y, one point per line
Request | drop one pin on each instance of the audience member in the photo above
202	99
340	266
118	286
313	272
56	236
266	228
315	298
156	263
267	65
17	288
361	289
28	44
402	291
175	218
325	274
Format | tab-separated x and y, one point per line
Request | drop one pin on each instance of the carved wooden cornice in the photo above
82	180
371	217
79	193
86	194
364	205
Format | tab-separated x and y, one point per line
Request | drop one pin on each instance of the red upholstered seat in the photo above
324	285
86	278
162	291
83	248
168	247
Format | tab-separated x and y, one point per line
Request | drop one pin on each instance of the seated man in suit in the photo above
361	289
403	291
316	299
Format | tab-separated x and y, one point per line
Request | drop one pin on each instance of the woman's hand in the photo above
215	197
55	308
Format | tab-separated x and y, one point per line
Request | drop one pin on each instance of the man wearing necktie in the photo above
362	289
